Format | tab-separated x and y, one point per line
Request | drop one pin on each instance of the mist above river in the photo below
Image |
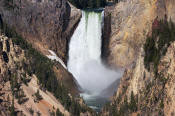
96	77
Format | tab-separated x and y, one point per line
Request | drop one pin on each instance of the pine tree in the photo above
58	113
91	3
12	108
98	3
133	105
1	22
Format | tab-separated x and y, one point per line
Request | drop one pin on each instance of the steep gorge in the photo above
48	25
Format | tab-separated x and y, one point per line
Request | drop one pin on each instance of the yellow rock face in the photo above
130	23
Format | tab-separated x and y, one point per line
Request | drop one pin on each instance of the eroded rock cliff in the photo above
128	23
148	57
47	24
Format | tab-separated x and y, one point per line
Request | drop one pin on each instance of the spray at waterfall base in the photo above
97	81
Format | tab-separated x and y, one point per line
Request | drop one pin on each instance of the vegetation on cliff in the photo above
152	96
42	67
8	4
163	33
118	108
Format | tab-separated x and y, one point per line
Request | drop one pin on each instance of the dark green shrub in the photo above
31	111
38	96
38	113
58	113
1	46
5	57
12	109
7	45
133	103
84	4
8	4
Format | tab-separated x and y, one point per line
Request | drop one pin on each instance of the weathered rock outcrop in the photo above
47	24
141	91
130	21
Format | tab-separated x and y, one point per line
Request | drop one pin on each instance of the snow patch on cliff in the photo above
53	56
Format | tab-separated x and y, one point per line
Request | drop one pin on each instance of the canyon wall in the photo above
40	25
142	91
131	20
47	24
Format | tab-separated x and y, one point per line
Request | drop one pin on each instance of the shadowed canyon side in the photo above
47	24
85	59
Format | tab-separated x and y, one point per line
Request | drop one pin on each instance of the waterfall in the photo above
85	56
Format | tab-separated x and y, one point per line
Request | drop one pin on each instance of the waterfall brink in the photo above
85	56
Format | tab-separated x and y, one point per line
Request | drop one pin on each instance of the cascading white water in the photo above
85	56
